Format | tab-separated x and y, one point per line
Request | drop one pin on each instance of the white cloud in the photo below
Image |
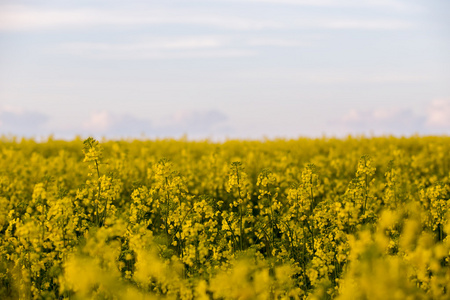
387	4
277	42
435	119
331	76
29	18
14	17
108	124
378	24
20	121
19	18
160	48
180	47
380	121
155	44
113	53
438	114
197	124
99	121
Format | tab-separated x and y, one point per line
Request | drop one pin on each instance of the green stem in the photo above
99	187
312	219
241	230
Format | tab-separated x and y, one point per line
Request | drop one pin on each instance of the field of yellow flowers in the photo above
354	218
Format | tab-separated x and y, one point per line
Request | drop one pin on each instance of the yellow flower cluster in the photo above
354	218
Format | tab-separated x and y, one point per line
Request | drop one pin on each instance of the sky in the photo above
224	69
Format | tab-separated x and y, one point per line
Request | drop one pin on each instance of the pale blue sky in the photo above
224	68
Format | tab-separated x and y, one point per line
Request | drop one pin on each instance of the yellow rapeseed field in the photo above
354	218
